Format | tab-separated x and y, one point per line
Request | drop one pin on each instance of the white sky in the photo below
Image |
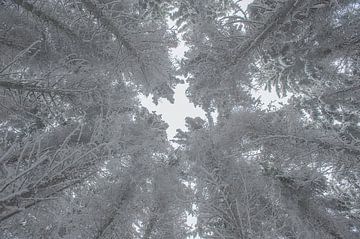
175	114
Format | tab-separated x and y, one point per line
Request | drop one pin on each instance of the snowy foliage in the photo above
81	158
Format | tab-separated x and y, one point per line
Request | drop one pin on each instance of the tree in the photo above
80	157
301	149
70	74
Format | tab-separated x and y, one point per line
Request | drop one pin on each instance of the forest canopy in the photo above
80	157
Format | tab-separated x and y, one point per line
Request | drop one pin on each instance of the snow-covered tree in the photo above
81	158
304	155
70	73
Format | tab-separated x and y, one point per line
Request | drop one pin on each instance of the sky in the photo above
174	114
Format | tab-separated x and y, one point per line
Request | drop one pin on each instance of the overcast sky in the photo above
174	114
